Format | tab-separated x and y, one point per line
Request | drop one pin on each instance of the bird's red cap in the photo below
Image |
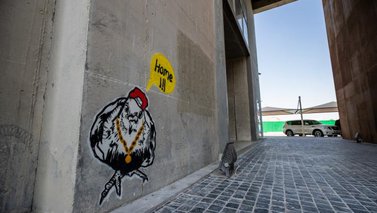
137	93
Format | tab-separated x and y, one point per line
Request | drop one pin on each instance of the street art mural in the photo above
161	74
123	136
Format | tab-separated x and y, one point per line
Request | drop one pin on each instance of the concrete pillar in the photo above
56	173
252	76
222	117
231	103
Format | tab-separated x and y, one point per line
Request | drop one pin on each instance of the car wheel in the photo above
318	133
330	136
289	133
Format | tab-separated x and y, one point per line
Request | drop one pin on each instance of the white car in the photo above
311	127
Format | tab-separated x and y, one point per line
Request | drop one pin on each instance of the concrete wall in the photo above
241	100
42	55
239	119
352	35
64	63
22	86
123	36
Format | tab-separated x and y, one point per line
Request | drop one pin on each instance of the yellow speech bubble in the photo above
161	74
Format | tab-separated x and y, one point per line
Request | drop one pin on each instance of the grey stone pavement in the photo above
289	174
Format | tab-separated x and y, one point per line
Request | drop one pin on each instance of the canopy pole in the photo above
302	119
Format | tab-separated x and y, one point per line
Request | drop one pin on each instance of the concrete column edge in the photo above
65	63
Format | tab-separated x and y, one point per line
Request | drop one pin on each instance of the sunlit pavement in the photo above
290	174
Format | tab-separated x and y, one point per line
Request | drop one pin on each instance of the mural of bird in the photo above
123	136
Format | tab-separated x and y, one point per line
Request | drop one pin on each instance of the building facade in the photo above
352	36
104	102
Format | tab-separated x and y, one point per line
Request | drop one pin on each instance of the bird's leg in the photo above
116	180
118	183
139	173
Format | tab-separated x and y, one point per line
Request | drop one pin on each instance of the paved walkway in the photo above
290	174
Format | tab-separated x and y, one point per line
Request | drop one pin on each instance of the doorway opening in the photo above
242	112
294	60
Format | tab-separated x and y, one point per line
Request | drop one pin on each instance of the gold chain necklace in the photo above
127	149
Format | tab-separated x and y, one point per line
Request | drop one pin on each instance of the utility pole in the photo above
302	119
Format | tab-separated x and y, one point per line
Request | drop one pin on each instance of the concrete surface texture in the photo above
352	36
253	77
222	112
238	100
81	130
43	48
155	199
289	174
123	36
57	159
22	85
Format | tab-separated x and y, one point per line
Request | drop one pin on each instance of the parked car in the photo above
311	127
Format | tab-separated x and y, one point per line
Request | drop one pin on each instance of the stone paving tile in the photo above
289	174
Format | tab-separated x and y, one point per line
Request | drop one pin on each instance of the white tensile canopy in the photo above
323	108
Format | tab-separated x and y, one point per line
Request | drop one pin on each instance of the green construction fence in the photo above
277	126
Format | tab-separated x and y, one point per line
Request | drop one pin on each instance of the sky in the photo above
293	55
